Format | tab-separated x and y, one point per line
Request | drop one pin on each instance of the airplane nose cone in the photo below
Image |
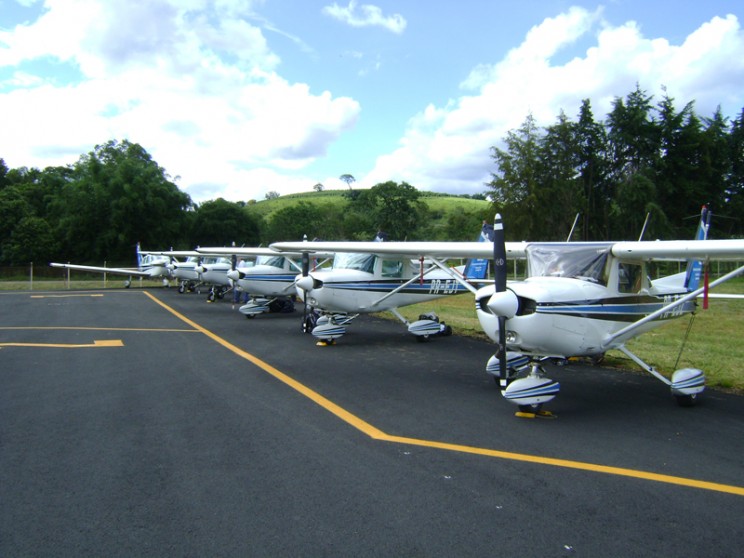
504	304
200	269
305	283
233	275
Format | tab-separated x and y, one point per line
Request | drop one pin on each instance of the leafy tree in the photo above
294	223
592	167
514	187
114	197
32	240
394	208
14	209
3	173
463	225
560	192
734	192
221	223
348	178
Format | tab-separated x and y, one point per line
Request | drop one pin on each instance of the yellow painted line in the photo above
377	434
84	328
67	296
104	343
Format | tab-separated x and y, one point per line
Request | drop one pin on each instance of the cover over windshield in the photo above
580	261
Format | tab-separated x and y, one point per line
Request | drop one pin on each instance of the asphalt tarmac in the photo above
149	423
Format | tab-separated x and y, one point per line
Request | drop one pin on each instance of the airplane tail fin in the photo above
694	271
478	268
139	257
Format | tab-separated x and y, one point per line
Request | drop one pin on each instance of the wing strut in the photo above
663	310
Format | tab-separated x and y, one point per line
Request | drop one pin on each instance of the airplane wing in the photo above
112	270
177	253
247	251
672	250
675	250
440	250
235	250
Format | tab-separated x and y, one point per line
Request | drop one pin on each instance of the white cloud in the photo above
199	92
448	148
367	15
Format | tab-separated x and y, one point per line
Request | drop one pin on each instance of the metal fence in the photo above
43	277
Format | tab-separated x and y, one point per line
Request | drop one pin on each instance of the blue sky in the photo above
236	98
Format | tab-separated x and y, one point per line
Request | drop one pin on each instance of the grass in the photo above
439	204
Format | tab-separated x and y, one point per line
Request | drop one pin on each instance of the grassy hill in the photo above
440	205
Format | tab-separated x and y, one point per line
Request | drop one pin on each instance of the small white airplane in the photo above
150	265
270	281
213	271
203	269
371	280
580	299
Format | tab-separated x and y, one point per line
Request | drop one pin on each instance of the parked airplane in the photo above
150	265
270	282
580	299
203	269
370	280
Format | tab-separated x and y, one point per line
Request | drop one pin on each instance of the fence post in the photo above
31	276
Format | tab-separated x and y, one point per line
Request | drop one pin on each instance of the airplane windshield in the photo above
579	261
359	262
272	261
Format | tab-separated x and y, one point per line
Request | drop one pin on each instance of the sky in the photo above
239	98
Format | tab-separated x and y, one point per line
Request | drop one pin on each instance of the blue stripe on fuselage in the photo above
621	309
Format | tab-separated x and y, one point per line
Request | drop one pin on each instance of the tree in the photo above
293	223
391	207
220	223
348	178
560	194
514	187
592	167
318	187
32	240
735	180
117	196
3	173
272	195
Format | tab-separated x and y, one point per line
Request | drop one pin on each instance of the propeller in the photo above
503	303
305	283
233	270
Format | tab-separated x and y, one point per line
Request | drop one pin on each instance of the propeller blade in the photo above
499	255
499	277
305	264
305	283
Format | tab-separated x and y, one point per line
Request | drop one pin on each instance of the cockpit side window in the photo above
358	262
629	277
273	261
392	268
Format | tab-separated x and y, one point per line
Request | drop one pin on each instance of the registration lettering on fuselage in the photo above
443	286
